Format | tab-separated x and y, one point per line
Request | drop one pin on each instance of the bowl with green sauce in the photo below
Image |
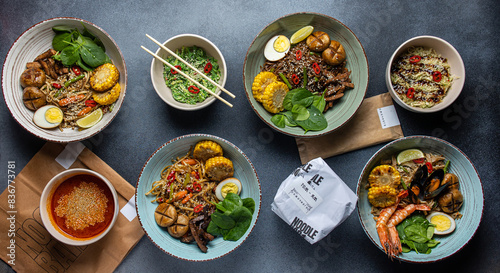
425	74
178	91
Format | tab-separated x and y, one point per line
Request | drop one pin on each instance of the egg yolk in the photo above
53	115
229	187
281	44
442	222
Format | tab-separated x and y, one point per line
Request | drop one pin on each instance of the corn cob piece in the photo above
206	149
273	97
382	196
108	97
104	77
384	175
219	168
260	82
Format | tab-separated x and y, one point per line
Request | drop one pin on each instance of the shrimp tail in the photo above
396	246
384	236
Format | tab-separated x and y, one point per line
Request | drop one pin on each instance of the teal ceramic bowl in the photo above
357	63
470	186
243	170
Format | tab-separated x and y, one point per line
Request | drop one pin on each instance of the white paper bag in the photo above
314	200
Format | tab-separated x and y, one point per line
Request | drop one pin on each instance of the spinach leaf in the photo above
315	122
289	121
62	40
300	113
415	233
232	218
279	120
94	38
91	53
287	102
302	97
62	29
320	102
69	55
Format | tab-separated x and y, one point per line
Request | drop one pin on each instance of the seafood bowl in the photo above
174	43
442	48
357	63
163	156
470	186
36	40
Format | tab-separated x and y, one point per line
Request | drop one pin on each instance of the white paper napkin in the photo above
314	200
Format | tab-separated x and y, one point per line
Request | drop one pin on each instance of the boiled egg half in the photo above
444	224
48	116
276	48
226	186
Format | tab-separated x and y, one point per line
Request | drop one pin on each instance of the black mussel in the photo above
417	185
425	186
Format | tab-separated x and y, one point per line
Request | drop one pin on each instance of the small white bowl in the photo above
45	208
447	51
173	44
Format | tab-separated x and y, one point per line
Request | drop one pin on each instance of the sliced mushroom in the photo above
180	228
334	54
33	98
165	215
33	77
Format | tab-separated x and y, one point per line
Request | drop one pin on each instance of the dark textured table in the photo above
145	122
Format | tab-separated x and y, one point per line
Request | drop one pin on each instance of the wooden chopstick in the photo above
185	75
189	65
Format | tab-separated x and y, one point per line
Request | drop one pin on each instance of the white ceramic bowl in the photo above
173	44
45	208
36	40
447	51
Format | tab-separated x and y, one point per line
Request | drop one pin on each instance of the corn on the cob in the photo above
104	77
384	175
219	168
260	82
107	97
382	196
273	97
206	149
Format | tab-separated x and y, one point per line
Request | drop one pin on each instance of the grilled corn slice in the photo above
260	82
384	175
219	168
206	149
273	97
382	196
107	97
104	77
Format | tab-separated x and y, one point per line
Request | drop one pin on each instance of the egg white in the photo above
40	120
444	232
270	53
218	189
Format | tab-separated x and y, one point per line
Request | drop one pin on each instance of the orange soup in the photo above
82	206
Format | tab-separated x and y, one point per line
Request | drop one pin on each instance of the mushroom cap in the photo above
334	54
180	228
165	215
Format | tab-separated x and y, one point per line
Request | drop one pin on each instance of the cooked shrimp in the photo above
383	218
398	216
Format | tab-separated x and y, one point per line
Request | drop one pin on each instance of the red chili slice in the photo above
437	76
298	55
429	167
208	67
193	89
173	71
196	187
76	70
316	68
419	160
56	85
90	103
410	93
415	59
198	208
295	79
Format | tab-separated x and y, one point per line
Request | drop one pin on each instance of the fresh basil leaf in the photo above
62	29
61	41
69	55
315	122
300	113
249	203
279	120
92	54
223	220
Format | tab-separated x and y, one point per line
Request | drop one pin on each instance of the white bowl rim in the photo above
116	108
47	191
435	108
205	103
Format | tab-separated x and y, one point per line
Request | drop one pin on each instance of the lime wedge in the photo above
90	120
301	34
409	154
